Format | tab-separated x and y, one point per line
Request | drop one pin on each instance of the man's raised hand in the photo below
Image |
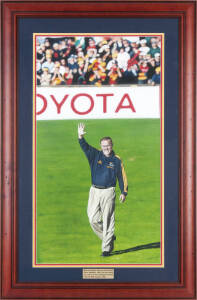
81	130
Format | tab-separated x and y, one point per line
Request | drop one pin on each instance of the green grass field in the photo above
63	181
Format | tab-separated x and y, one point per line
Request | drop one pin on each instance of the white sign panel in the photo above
57	103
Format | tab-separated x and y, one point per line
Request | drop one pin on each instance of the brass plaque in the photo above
98	273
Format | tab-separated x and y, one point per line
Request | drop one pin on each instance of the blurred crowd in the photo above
98	60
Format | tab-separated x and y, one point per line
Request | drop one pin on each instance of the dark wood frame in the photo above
185	11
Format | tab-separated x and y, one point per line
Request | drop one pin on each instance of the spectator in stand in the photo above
81	71
104	52
127	46
134	59
90	57
154	48
49	64
72	63
122	59
114	54
40	54
131	75
57	78
70	48
144	48
114	74
119	44
142	56
42	46
73	66
157	59
62	49
49	52
40	40
98	68
47	44
80	43
38	72
148	57
143	70
80	56
135	49
45	77
91	47
158	41
156	76
56	52
68	77
62	66
151	71
62	46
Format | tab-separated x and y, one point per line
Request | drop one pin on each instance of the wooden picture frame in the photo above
185	11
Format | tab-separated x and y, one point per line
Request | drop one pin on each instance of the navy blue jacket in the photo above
105	170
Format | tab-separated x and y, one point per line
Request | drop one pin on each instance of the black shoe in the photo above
112	243
105	253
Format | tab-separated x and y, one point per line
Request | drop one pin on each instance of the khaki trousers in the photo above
101	207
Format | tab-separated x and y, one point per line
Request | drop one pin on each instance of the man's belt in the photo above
101	187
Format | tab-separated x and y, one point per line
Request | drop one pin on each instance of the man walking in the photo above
106	168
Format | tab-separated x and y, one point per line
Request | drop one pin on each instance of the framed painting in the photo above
98	105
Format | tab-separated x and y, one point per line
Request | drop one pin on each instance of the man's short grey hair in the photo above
106	138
